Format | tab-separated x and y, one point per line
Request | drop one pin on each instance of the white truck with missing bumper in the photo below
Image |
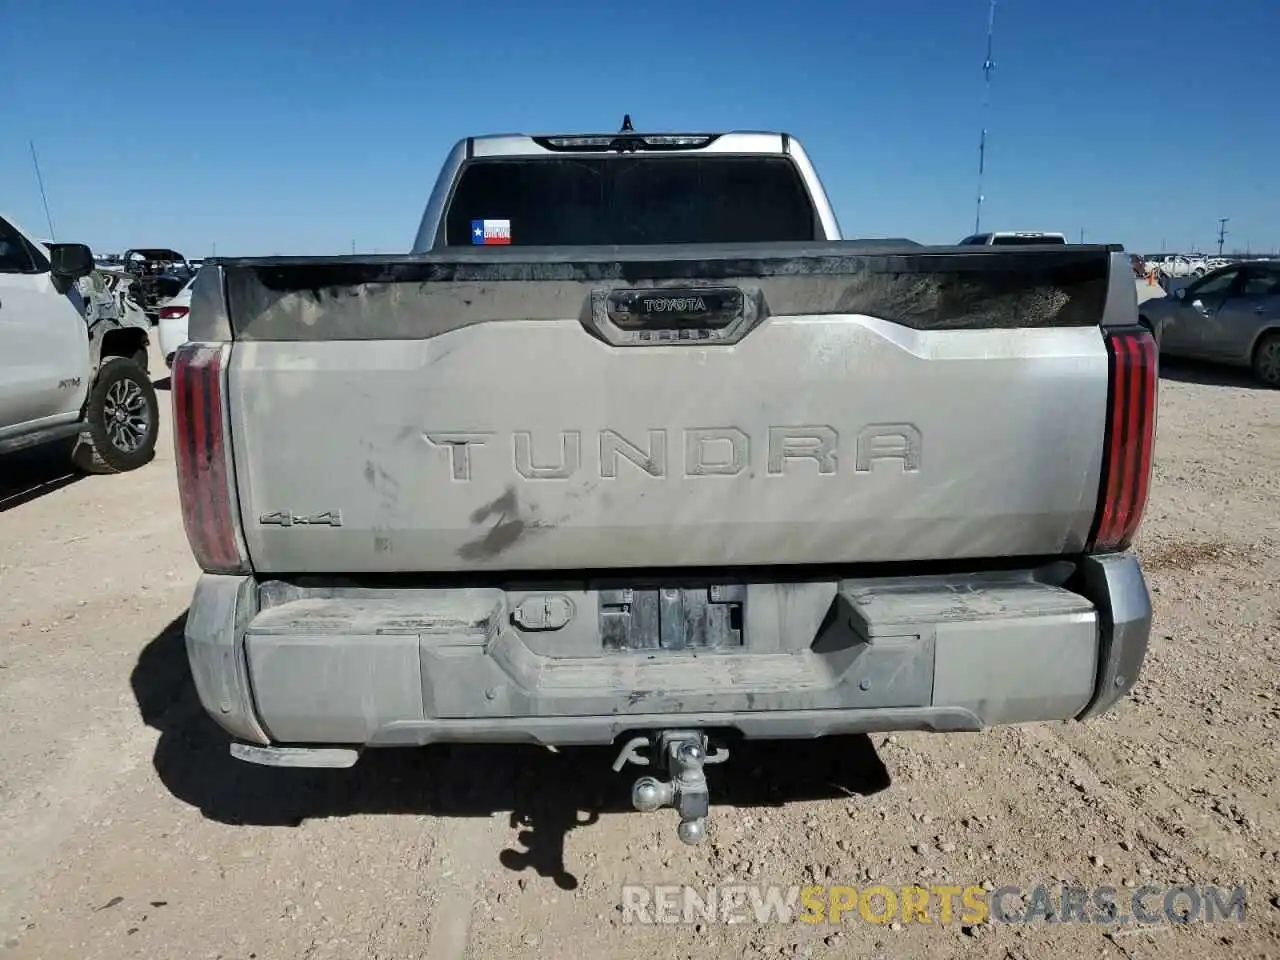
633	448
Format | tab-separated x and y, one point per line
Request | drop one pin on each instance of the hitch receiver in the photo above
681	754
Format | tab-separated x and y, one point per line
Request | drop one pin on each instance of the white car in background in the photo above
173	322
1177	265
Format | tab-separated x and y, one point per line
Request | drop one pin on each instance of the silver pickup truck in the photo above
634	449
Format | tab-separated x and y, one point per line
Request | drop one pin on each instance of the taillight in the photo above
173	313
209	510
1133	370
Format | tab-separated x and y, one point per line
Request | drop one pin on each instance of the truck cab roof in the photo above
525	144
1012	238
574	189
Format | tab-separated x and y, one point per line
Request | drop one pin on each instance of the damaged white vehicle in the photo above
111	305
73	356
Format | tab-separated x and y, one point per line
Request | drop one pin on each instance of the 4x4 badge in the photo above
330	518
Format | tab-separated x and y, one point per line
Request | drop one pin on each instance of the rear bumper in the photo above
276	664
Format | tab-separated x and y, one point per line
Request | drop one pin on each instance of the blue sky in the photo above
299	127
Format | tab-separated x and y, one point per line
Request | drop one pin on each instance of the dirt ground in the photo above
127	831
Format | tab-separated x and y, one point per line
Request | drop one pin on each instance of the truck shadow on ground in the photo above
546	793
31	474
1209	374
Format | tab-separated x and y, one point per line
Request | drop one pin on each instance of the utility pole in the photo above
1082	234
353	248
1222	232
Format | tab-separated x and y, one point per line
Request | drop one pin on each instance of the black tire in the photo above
122	420
142	359
1266	360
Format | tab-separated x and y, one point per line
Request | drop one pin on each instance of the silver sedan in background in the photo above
1230	316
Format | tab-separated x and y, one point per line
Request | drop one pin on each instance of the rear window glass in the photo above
630	201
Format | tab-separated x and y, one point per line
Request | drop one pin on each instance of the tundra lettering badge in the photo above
690	453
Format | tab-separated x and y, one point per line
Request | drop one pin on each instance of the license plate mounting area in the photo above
661	617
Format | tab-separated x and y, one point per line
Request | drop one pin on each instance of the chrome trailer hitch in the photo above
681	754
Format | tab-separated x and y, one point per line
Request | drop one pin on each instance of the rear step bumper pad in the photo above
410	667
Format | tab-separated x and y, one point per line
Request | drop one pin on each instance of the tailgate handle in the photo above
666	308
649	316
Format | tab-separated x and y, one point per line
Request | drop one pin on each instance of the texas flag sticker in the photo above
486	232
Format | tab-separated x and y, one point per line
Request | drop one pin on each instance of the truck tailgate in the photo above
563	412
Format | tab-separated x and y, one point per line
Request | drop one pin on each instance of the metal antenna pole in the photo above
1222	232
987	66
40	180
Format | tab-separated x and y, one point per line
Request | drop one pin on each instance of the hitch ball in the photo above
692	831
682	753
649	794
690	755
